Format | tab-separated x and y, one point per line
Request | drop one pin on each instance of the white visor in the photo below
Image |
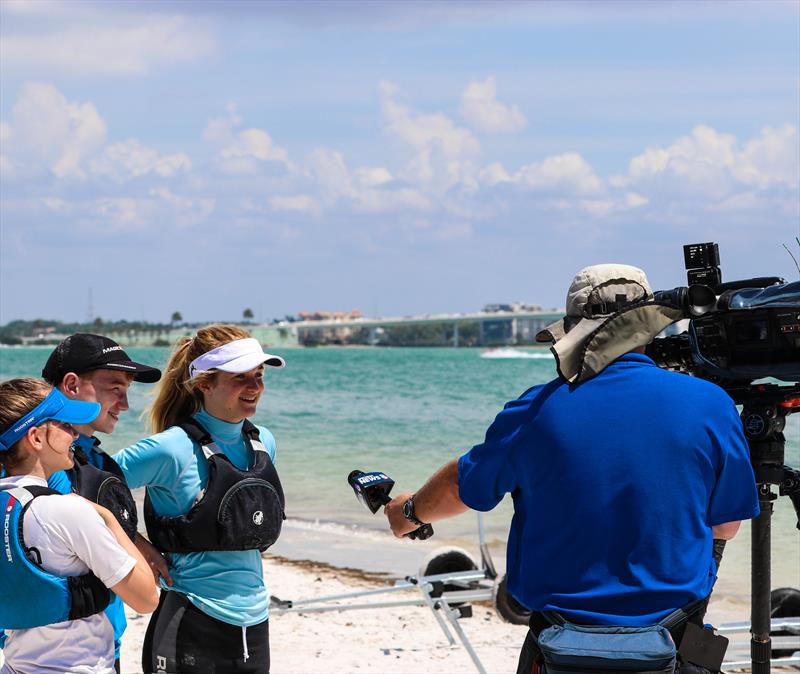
240	355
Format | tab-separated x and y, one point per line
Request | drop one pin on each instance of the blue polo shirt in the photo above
616	484
227	585
62	483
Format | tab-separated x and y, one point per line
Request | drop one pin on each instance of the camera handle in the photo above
764	417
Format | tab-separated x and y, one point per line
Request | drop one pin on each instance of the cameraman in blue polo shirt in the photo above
621	473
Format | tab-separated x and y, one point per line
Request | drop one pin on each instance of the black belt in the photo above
694	613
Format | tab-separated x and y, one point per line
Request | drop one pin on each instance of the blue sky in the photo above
397	157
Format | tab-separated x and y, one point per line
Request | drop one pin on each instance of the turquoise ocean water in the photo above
405	412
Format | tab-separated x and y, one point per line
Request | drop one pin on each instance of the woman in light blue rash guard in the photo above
213	503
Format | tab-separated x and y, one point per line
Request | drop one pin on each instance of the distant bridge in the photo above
496	327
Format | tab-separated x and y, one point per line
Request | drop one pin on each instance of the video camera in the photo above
738	331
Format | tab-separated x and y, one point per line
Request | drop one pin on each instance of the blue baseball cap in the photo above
55	406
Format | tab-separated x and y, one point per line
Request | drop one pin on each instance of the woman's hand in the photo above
138	589
157	562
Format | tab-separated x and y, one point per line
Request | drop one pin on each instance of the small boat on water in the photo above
504	352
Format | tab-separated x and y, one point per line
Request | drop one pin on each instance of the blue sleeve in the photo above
60	482
734	496
486	472
157	461
268	440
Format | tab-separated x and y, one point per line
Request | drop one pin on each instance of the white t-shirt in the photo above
72	540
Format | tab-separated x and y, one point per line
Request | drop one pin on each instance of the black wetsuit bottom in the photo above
181	639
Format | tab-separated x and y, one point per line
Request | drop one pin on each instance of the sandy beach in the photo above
391	640
312	559
397	640
388	640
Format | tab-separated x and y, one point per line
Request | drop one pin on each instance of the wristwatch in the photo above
408	512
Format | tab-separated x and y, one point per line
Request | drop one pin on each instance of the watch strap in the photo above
409	514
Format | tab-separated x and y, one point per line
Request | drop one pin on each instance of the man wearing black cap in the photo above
93	368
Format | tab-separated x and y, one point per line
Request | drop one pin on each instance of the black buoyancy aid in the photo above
238	510
31	596
105	486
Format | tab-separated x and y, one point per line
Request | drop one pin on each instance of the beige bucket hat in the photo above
609	312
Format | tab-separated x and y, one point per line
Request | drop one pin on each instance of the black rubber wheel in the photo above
448	560
785	603
508	608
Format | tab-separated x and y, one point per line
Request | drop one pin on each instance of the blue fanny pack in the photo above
579	649
574	649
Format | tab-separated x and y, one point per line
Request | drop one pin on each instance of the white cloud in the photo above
481	109
100	43
120	212
441	150
392	200
436	179
132	159
633	200
114	215
701	161
567	174
329	184
425	130
330	174
187	211
48	131
255	143
772	158
713	166
493	174
370	176
243	152
220	129
299	203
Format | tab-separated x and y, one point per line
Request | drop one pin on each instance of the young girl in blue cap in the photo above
57	566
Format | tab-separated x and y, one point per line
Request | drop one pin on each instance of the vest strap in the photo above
21	494
202	437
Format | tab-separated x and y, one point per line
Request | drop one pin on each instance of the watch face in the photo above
408	509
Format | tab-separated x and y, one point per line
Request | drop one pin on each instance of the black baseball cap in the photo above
83	352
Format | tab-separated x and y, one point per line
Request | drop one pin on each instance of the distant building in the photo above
329	335
330	315
514	307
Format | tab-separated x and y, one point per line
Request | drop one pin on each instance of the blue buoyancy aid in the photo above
31	596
